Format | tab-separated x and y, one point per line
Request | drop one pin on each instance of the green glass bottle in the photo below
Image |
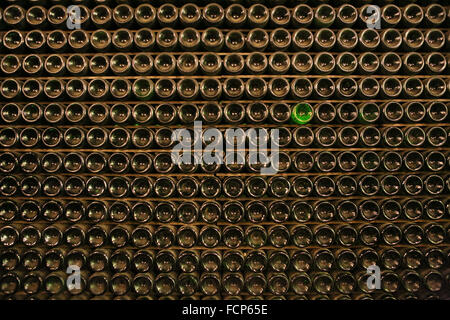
302	113
143	89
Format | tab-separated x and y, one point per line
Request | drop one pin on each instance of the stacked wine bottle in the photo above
353	110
